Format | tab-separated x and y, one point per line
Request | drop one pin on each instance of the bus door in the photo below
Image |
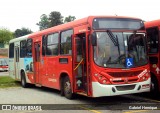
37	62
153	48
17	62
79	63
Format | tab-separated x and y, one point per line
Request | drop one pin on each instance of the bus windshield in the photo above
113	53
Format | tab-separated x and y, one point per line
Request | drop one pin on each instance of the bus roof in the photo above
19	38
152	23
66	26
74	24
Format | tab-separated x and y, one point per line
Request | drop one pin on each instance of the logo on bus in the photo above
129	62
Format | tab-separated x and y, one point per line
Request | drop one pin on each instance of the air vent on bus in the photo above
126	87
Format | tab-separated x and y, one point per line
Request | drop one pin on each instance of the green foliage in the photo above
55	18
44	22
5	35
69	19
6	81
21	32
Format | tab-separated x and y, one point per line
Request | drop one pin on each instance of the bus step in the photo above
38	85
82	93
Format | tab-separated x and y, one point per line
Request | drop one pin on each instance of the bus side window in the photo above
29	48
65	42
44	45
22	48
52	44
152	40
11	50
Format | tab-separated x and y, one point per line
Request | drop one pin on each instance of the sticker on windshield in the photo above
129	62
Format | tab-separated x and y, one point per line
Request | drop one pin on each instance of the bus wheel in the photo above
154	87
67	88
23	80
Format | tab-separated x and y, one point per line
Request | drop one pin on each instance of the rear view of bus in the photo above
120	64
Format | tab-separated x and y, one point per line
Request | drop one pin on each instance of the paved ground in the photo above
4	73
35	95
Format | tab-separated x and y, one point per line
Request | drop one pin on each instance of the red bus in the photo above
153	28
94	56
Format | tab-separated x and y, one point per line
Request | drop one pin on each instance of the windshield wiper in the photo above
114	39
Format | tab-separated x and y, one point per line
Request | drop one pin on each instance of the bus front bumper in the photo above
100	90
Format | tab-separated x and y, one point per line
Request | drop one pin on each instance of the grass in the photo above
6	81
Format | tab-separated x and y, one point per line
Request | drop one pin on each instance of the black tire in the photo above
154	87
23	80
67	89
62	87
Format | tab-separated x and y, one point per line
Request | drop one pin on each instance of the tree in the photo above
69	19
5	35
21	32
44	22
55	18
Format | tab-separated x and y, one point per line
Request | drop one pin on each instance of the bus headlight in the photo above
101	79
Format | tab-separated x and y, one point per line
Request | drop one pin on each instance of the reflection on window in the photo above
152	34
66	46
29	48
130	45
22	48
52	44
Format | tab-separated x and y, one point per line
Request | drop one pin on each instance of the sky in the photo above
15	14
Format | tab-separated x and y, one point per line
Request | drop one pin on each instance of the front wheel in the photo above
67	88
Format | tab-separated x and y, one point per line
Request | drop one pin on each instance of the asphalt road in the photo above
57	103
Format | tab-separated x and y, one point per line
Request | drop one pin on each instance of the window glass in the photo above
29	47
52	44
22	48
43	45
11	50
52	39
152	35
66	45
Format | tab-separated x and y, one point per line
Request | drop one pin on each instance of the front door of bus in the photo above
37	46
79	66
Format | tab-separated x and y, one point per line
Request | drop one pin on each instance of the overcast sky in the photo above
15	14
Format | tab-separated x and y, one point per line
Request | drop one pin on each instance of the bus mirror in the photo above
94	39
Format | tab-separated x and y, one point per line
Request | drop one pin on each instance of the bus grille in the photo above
126	87
124	74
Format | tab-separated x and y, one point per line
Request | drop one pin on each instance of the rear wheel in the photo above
67	88
23	80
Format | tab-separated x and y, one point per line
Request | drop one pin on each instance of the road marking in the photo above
95	111
136	111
